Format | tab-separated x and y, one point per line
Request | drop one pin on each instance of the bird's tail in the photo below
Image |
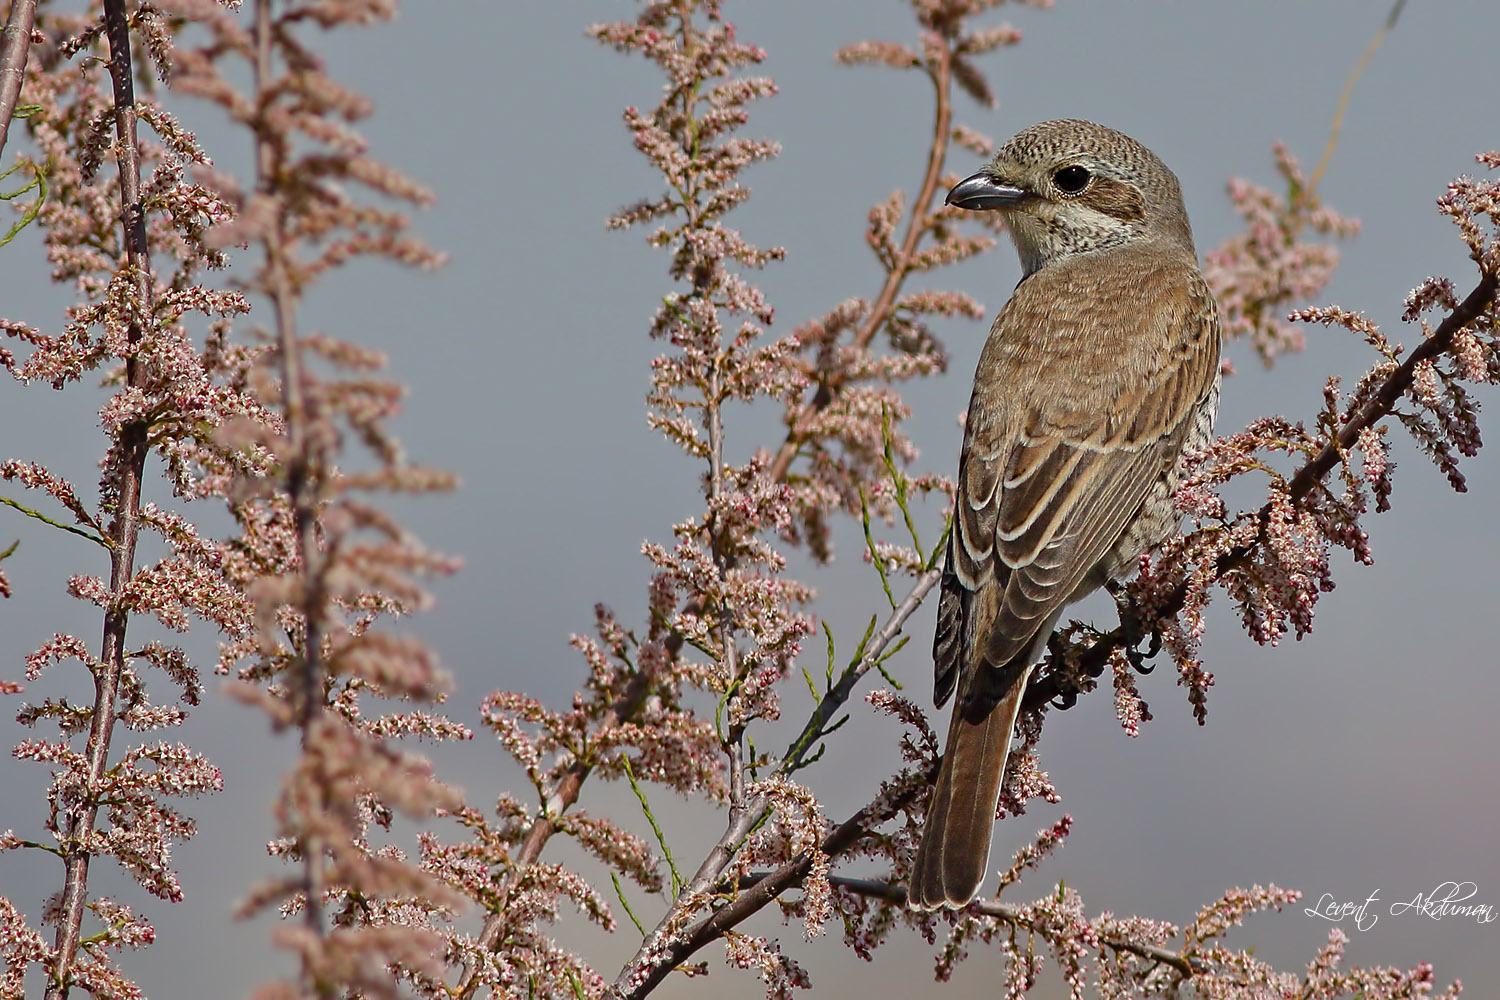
955	846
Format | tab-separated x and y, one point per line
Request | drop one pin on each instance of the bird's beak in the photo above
982	191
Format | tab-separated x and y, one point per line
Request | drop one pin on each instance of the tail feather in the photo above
948	640
955	848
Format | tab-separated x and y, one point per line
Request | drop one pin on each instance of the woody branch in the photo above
128	462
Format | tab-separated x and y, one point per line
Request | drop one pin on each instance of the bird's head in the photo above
1070	187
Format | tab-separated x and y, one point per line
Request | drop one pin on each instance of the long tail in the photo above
955	849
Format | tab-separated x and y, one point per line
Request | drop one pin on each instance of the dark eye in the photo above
1072	180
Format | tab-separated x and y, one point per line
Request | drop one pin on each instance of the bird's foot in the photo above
1133	629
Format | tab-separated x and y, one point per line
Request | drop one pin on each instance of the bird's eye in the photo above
1071	180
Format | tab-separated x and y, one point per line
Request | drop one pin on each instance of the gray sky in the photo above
1359	760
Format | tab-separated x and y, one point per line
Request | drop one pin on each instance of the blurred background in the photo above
1360	760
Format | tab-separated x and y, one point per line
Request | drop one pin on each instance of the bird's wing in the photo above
1056	465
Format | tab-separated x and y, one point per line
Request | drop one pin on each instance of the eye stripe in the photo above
1122	201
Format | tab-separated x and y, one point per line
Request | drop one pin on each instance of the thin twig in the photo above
639	978
1343	105
122	531
561	797
840	693
1384	401
661	837
29	512
916	227
1016	916
15	47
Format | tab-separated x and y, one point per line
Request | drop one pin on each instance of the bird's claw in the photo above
1132	631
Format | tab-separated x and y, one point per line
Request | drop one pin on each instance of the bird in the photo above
1098	376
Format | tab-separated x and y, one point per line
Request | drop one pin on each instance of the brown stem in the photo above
564	794
743	822
132	450
636	982
14	48
757	891
837	695
303	465
916	227
1384	401
723	563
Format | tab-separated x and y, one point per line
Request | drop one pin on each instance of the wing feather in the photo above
1058	459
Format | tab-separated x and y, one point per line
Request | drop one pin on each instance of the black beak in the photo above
982	191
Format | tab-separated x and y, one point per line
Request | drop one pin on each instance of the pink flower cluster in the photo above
1257	274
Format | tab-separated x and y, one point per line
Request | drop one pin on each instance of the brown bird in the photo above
1098	373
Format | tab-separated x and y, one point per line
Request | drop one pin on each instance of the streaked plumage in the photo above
1097	374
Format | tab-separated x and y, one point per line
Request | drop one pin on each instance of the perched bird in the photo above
1098	373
